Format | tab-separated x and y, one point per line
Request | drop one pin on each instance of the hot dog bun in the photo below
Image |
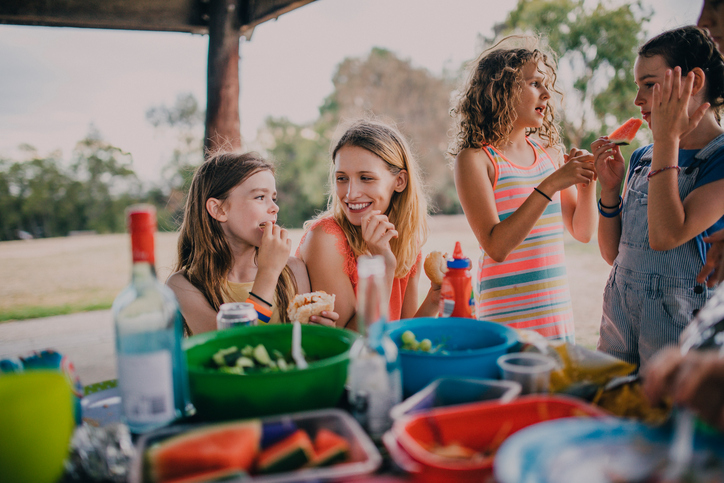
305	305
435	266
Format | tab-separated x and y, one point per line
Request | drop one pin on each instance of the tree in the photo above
185	120
300	153
103	184
597	49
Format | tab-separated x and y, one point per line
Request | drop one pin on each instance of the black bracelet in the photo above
613	214
546	196
252	294
620	200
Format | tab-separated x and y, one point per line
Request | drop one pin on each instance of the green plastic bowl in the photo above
220	396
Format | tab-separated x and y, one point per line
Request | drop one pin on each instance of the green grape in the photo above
408	337
426	345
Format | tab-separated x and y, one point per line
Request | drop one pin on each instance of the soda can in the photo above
235	314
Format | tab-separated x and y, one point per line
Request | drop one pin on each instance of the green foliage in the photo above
302	168
37	311
185	122
596	46
386	86
43	197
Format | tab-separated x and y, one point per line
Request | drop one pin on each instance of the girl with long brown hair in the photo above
230	248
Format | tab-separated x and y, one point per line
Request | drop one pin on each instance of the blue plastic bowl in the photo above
471	348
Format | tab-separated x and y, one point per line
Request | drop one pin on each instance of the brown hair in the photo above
407	210
204	254
485	109
690	47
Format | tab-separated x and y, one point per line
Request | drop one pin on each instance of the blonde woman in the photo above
377	206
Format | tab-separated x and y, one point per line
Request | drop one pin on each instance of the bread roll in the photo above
305	305
435	266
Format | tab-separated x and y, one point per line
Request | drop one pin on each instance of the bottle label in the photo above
447	299
146	384
373	392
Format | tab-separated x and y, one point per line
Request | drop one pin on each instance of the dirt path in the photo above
56	271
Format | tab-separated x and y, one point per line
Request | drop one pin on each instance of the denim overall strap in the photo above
651	296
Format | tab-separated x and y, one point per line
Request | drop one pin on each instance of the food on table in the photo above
626	132
288	454
329	449
410	343
435	266
629	401
251	359
238	448
457	451
228	447
305	305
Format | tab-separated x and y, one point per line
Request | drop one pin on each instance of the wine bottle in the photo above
152	375
375	378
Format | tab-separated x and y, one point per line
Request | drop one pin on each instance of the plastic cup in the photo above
531	370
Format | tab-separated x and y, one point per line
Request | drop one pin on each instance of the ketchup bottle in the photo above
456	287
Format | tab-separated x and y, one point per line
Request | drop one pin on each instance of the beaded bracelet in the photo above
657	171
613	213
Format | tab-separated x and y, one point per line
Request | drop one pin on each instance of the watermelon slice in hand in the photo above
625	133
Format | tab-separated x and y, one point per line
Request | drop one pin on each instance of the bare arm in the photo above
475	190
611	170
326	272
199	315
671	221
578	203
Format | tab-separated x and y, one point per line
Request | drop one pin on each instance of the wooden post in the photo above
223	125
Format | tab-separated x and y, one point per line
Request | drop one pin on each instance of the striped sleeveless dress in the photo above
529	290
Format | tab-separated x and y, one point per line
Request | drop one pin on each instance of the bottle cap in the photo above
458	260
142	226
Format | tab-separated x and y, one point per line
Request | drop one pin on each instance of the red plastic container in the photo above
480	427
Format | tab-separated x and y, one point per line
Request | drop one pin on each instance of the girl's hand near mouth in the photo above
377	231
276	246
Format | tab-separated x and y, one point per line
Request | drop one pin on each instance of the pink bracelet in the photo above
657	171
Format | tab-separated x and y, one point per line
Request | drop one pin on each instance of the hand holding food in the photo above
304	306
435	266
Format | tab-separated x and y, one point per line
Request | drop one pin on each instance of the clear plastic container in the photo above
364	457
452	391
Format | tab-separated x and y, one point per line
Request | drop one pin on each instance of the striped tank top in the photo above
529	290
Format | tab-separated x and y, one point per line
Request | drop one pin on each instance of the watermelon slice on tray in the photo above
624	134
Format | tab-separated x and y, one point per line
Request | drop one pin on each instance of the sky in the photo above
57	82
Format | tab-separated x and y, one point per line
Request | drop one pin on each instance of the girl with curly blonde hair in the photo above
518	189
377	206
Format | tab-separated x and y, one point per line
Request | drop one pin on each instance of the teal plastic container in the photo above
221	396
470	349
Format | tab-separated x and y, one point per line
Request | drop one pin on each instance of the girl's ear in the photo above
401	181
699	78
215	207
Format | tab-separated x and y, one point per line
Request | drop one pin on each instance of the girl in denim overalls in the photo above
673	197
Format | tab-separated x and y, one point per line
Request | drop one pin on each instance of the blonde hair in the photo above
204	255
407	210
485	109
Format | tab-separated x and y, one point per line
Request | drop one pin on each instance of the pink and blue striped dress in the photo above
529	290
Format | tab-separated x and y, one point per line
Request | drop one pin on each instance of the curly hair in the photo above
691	47
485	109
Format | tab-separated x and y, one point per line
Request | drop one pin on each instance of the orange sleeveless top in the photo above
399	285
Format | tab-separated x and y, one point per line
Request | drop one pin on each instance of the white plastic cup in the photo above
531	370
